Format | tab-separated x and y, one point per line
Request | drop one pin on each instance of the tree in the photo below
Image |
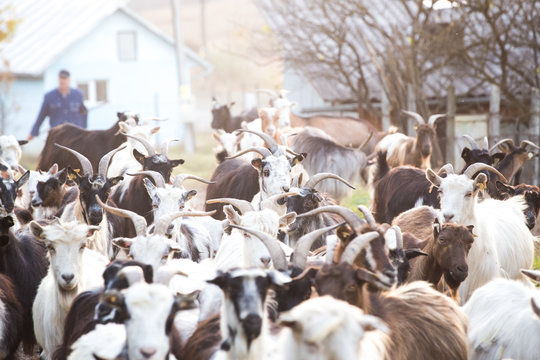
8	23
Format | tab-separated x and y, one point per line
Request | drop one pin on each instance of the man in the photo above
62	105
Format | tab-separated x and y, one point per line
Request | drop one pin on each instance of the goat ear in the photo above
53	169
297	159
190	194
186	301
23	179
308	273
278	278
433	178
414	252
138	156
533	274
175	163
436	227
115	180
122	243
73	175
150	187
221	279
470	228
505	189
466	154
480	182
37	230
232	215
499	156
287	219
370	322
257	164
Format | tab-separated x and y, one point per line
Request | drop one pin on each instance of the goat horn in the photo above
139	222
524	144
261	150
269	92
416	116
149	148
476	167
363	145
486	143
291	151
276	252
180	178
155	119
317	178
242	205
163	223
86	165
165	275
355	246
106	160
277	197
305	242
158	178
435	117
350	216
471	141
399	237
368	215
133	274
165	146
271	143
446	169
500	142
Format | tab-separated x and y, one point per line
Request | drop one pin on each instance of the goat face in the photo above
274	174
154	250
5	224
229	141
269	120
531	194
129	117
424	138
65	243
284	106
451	247
9	188
167	200
221	116
10	150
49	192
245	294
158	163
479	156
341	281
306	200
89	187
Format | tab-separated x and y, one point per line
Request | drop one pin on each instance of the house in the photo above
116	58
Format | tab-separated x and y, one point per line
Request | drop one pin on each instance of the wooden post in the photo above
411	106
534	130
450	124
494	126
385	110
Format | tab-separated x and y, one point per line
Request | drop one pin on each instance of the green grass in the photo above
360	196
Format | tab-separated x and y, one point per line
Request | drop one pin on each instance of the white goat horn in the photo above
476	167
242	205
165	146
486	143
271	143
416	116
368	215
180	178
149	148
524	144
500	142
86	165
139	222
315	179
355	246
106	160
435	117
158	178
446	169
132	274
352	219
471	141
163	222
259	149
305	242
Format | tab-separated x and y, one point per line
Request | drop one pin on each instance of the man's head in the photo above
63	81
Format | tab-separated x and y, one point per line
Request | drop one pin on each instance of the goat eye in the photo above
266	173
468	194
165	257
351	287
442	241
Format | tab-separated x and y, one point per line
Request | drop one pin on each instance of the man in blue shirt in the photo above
62	105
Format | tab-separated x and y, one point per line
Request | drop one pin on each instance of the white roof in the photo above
49	27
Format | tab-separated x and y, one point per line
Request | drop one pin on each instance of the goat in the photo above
27	191
222	119
504	318
531	195
9	187
228	144
326	155
23	261
10	151
11	319
71	271
86	312
326	328
49	194
83	141
104	342
514	160
504	244
405	150
478	155
446	247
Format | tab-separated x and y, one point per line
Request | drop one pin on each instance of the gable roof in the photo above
47	28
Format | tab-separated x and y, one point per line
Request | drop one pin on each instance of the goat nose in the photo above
448	217
463	268
148	351
68	277
285	188
266	261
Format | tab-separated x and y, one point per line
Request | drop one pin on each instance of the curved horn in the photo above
471	141
435	117
149	148
486	144
363	145
261	150
276	252
242	205
106	160
399	237
155	119
291	151
180	178
416	116
270	141
354	248
163	222
368	215
305	242
350	216
86	165
317	178
500	142
158	178
139	222
165	275
524	144
476	167
446	169
276	197
165	146
133	274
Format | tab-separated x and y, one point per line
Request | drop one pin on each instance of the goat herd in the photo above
104	256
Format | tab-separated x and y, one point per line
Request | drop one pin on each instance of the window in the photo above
94	91
83	86
127	45
101	90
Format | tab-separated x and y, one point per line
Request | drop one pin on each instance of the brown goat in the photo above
531	194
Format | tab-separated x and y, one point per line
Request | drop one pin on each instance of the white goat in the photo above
227	142
10	150
29	189
105	342
504	244
72	270
326	328
504	320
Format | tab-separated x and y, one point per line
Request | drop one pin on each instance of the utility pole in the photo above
185	89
